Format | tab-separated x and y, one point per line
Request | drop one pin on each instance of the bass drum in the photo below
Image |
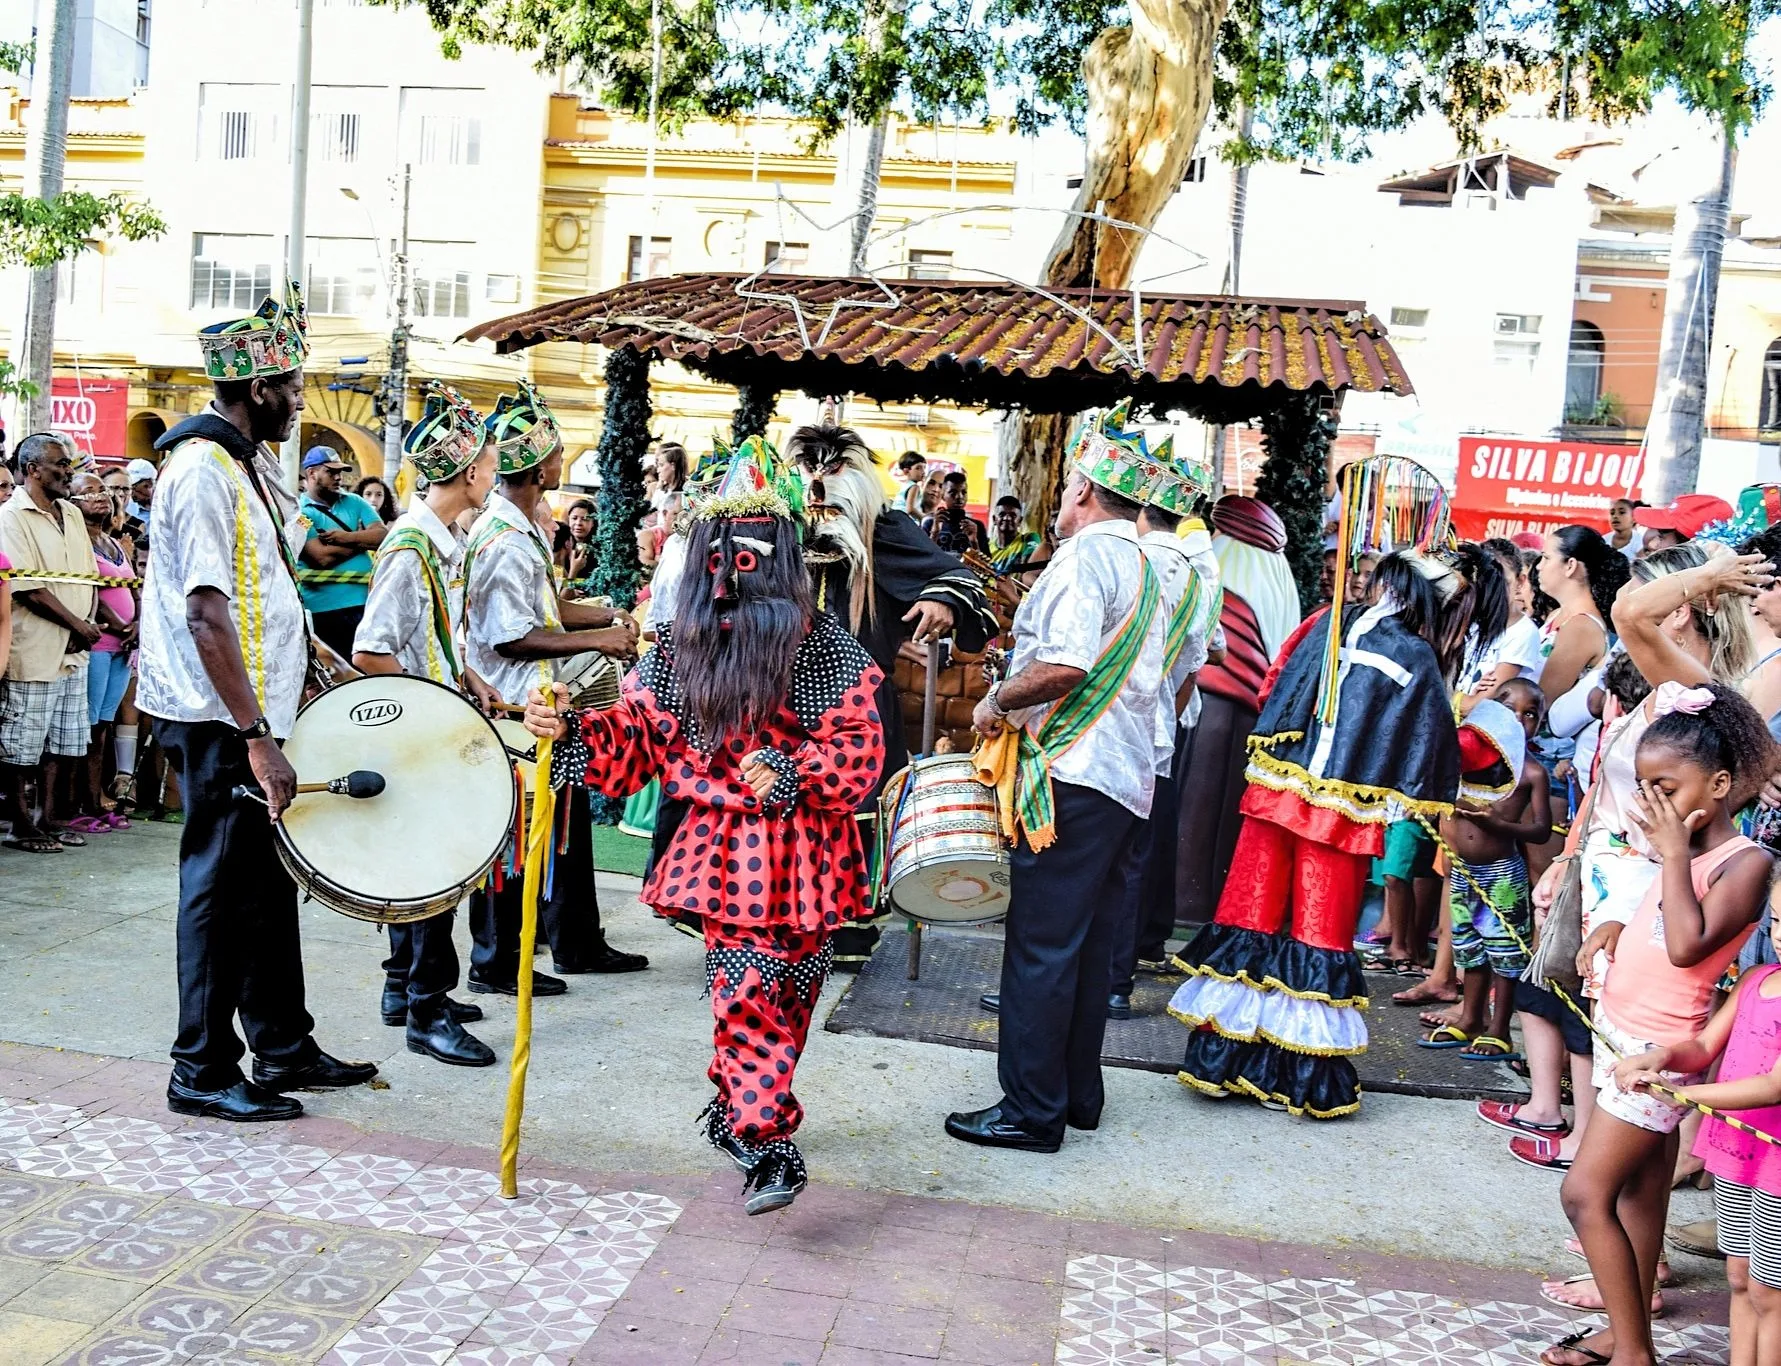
946	863
431	835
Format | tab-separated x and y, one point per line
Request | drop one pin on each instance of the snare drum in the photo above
443	816
947	863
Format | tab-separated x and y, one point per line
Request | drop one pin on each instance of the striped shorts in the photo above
1750	1226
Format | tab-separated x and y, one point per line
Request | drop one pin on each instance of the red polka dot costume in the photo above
771	880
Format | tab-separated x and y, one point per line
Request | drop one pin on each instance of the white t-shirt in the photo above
1518	645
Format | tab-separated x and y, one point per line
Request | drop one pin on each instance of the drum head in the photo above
519	741
447	804
953	891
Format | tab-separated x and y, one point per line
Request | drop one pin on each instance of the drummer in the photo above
518	628
413	624
224	651
1090	638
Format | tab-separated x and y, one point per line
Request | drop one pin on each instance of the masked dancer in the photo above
1275	992
758	712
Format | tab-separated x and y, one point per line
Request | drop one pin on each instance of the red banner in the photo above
1507	485
94	412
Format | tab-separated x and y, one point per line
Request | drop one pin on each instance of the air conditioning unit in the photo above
914	416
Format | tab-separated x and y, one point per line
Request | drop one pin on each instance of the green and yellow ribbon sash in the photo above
442	654
1080	708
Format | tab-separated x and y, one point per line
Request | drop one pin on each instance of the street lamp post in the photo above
395	380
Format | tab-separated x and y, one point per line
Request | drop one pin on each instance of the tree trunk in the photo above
1679	410
883	19
1149	90
46	151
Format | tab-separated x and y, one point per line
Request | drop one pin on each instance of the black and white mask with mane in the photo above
840	472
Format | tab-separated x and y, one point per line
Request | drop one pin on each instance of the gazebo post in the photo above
755	406
1297	433
619	505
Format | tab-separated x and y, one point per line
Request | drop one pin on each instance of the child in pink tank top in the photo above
1694	766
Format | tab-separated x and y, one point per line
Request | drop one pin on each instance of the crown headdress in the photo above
1105	453
1759	508
448	437
523	428
1180	483
750	479
274	341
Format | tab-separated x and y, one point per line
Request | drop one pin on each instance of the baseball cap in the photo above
318	456
138	470
1686	516
1529	540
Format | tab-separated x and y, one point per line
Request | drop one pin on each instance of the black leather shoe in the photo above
606	959
774	1182
394	1004
991	1001
1087	1123
988	1129
242	1103
542	985
1119	1007
322	1073
461	1011
444	1038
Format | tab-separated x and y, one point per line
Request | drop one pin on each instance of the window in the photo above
232	272
1410	317
638	267
342	277
442	127
787	258
930	265
1769	411
1196	170
239	122
439	280
501	289
339	122
80	280
1517	341
1583	372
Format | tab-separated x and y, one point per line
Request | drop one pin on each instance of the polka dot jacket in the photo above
794	860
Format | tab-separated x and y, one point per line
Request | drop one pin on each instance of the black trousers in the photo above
239	949
337	628
423	963
569	916
1150	876
1065	912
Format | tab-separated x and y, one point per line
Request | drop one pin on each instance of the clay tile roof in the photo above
986	344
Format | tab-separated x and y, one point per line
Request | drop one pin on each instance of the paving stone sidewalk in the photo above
132	1237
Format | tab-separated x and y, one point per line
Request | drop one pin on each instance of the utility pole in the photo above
46	153
395	382
1679	413
292	453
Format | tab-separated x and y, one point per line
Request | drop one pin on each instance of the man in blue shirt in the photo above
342	529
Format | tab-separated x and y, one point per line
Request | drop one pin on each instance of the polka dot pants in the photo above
764	982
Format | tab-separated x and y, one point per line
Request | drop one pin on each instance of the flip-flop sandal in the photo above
1539	1150
1657	1299
1433	1019
1574	1343
70	838
114	820
1473	1054
89	825
1505	1115
1446	1037
1411	998
1665	1276
37	844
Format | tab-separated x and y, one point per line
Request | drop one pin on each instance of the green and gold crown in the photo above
524	429
274	341
1118	460
1180	483
750	479
448	437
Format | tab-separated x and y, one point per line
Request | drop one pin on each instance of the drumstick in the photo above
360	783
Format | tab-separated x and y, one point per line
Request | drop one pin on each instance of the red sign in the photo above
94	412
1507	485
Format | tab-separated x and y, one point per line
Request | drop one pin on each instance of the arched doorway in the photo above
147	426
358	446
1583	372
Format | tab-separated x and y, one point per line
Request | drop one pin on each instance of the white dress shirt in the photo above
510	591
1174	567
1080	599
1205	562
399	610
664	588
200	498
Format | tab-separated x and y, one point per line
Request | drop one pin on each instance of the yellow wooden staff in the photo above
538	837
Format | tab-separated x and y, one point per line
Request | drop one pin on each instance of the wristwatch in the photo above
259	730
994	697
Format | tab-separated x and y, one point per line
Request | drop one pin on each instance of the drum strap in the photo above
442	654
1080	708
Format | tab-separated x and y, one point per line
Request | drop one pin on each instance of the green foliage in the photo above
1297	436
17	57
39	232
755	406
620	505
1319	75
11	386
1606	411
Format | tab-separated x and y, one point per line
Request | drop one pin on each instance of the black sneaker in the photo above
776	1179
716	1126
